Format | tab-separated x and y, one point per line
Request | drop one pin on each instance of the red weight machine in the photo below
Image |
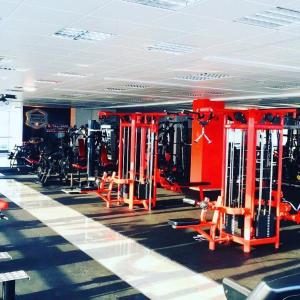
250	207
137	161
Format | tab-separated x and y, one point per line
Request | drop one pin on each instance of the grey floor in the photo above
60	271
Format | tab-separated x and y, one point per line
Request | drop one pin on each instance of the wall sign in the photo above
36	118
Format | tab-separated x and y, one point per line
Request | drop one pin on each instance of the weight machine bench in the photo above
202	225
200	185
8	279
284	287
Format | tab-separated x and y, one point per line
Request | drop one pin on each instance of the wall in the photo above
11	127
57	122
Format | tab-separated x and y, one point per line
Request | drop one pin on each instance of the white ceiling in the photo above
260	62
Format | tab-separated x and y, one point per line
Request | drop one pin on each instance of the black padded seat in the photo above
283	287
184	222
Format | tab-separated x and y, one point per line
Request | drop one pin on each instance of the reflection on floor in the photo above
154	275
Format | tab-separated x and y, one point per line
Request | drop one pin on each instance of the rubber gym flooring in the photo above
59	270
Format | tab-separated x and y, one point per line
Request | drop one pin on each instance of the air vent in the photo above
172	48
203	76
273	19
136	86
80	34
70	74
166	4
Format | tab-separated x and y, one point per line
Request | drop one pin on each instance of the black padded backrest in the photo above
281	288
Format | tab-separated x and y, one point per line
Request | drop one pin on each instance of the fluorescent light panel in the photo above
287	86
115	89
172	48
80	34
202	76
273	19
11	68
250	63
166	4
46	81
70	74
75	95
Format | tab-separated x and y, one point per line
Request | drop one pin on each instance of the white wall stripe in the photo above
152	274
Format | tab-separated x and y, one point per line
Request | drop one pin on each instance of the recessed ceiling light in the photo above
166	4
273	18
47	81
80	34
172	48
70	74
29	89
202	76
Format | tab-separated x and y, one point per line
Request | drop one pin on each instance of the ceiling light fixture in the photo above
46	81
241	62
166	4
5	60
115	89
80	34
273	18
10	68
70	74
29	89
172	48
159	103
284	86
258	97
202	76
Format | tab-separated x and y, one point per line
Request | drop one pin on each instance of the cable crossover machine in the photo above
251	206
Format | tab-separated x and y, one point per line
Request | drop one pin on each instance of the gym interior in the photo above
150	149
